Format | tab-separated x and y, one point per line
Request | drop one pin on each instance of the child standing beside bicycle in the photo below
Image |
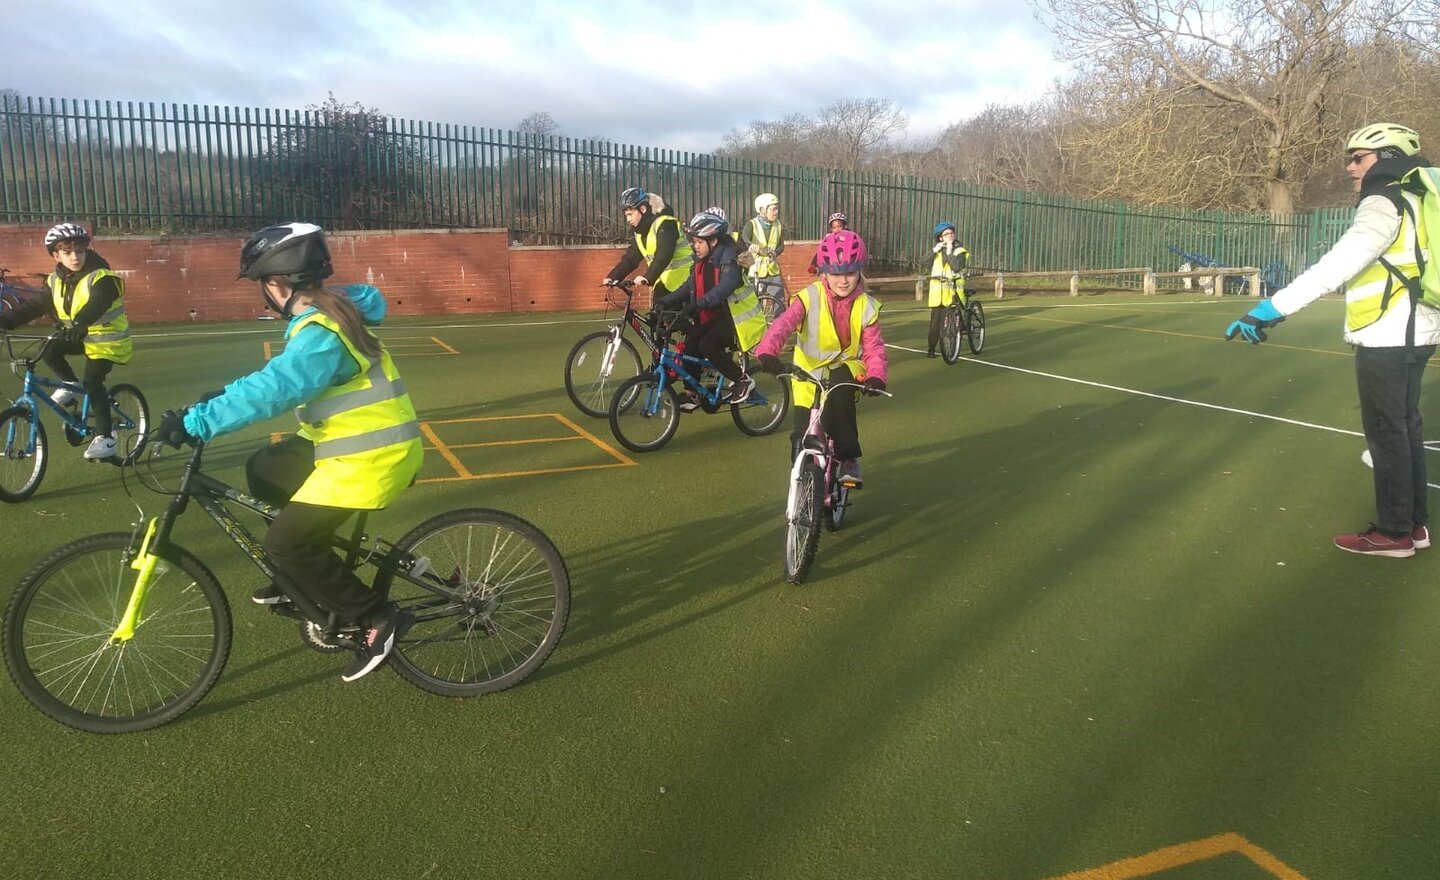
764	239
838	339
947	278
726	312
87	304
358	446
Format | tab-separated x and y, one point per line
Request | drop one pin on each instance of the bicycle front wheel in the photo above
770	306
59	642
763	412
976	326
644	414
802	529
23	453
595	367
130	417
951	332
498	603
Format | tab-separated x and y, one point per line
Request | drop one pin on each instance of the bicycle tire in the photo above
643	414
467	650
802	531
764	411
591	393
975	326
15	426
951	330
839	503
89	684
130	417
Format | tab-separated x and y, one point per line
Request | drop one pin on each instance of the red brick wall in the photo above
423	272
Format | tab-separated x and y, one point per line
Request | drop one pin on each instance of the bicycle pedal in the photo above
73	437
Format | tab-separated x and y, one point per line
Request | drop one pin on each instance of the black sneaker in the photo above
689	401
270	594
741	391
375	645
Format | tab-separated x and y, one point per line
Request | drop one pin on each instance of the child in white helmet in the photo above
87	304
764	238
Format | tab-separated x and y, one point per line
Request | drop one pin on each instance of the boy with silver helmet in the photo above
87	304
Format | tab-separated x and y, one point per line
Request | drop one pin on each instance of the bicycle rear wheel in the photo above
763	412
595	367
975	327
58	645
802	530
770	305
951	331
501	602
130	416
22	458
644	414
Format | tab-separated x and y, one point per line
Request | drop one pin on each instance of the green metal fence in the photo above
182	168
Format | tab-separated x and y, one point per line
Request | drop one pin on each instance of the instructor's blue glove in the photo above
1251	328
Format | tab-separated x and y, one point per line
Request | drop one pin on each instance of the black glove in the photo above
171	429
209	395
6	323
873	386
690	309
771	364
73	333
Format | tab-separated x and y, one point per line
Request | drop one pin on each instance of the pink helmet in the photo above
841	253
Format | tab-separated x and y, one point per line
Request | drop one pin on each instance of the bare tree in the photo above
853	129
1270	74
539	123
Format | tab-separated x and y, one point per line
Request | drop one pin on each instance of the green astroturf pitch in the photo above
1084	621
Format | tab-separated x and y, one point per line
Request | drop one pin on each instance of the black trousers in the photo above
94	379
838	420
299	539
937	317
714	341
1388	380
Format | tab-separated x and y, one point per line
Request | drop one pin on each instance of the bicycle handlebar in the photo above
794	372
9	336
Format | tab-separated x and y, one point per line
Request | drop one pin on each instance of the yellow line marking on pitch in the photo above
446	451
1183	854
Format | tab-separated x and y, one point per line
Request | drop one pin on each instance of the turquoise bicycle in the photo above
645	410
24	446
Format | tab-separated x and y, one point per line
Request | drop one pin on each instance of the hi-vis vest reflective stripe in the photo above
818	350
749	318
367	440
1376	290
764	266
675	273
109	337
940	268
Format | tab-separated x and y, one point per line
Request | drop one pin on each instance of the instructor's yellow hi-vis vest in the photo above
765	266
109	337
366	436
1375	291
940	268
749	318
679	268
817	347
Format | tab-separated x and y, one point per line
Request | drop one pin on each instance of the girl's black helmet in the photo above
294	251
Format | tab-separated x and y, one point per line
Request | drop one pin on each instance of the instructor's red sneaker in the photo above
1373	542
1421	537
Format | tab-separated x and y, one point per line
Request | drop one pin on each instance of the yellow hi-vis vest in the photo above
674	274
109	337
818	349
1376	290
939	293
749	318
367	439
765	266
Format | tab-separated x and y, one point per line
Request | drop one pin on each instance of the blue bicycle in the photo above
24	448
645	410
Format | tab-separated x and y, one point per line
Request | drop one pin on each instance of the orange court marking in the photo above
446	450
1177	856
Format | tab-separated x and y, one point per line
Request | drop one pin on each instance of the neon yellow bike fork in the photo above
146	563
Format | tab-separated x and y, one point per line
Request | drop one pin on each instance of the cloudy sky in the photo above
676	74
